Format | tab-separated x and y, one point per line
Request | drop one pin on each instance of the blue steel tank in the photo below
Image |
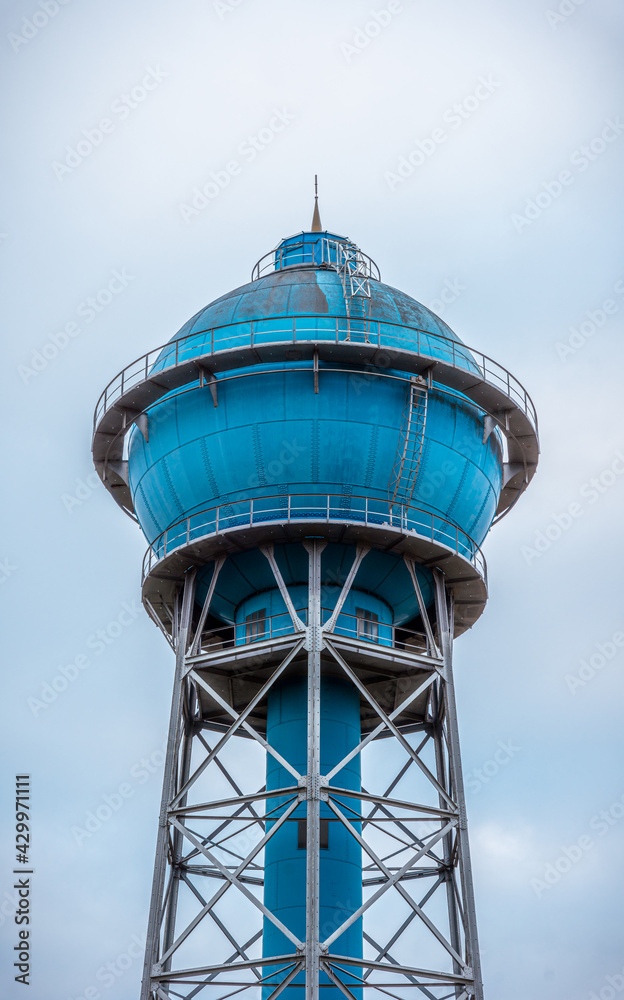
261	434
300	403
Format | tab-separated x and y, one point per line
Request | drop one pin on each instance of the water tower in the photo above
315	460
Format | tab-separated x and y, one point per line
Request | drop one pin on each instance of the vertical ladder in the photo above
410	447
352	269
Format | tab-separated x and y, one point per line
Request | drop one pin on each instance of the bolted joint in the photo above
313	786
317	787
314	638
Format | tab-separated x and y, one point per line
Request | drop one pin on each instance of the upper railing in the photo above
318	329
319	508
324	252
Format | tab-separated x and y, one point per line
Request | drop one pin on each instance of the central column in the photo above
313	770
313	866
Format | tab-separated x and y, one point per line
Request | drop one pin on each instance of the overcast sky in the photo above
507	222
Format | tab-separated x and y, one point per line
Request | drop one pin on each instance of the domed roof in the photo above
317	286
305	290
314	289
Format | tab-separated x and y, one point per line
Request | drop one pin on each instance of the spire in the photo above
316	218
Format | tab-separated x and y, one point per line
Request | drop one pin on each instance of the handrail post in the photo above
251	343
217	522
188	530
251	512
212	340
294	331
328	497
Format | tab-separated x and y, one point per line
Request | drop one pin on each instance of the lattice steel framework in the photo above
207	911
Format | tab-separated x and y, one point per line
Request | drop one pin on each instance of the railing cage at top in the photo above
325	251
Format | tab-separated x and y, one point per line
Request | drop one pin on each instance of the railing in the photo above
330	329
326	507
322	251
277	626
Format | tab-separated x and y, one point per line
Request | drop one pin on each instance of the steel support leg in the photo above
183	621
444	609
449	875
172	901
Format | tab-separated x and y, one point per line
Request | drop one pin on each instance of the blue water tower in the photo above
315	460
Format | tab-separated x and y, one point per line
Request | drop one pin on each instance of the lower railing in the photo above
326	507
277	626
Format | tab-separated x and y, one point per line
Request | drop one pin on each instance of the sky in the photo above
475	151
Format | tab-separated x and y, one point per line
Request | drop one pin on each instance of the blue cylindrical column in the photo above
285	853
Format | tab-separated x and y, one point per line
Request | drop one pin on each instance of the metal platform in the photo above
164	570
